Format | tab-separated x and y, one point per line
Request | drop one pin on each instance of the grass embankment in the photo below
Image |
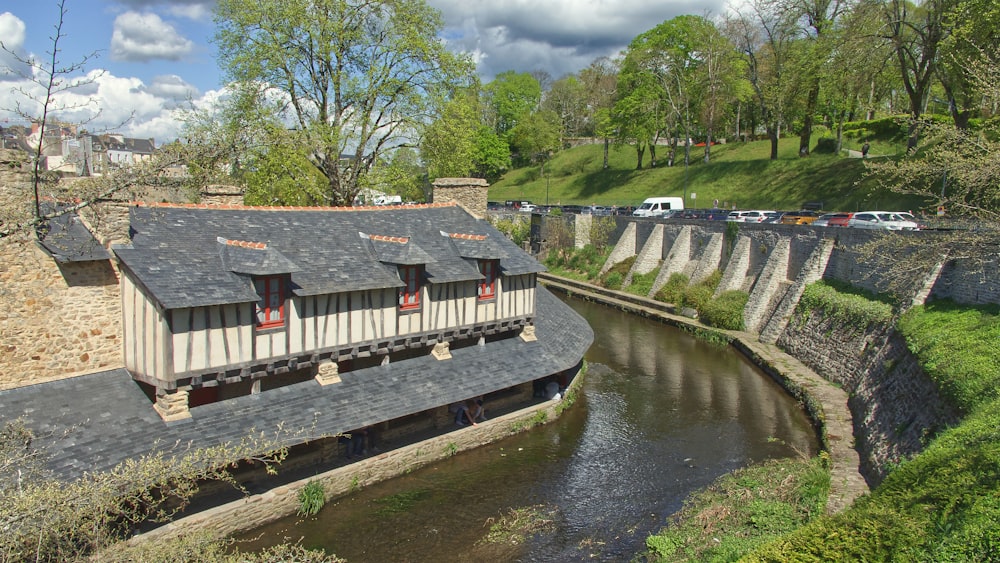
738	174
942	505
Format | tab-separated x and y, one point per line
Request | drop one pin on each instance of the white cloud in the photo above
198	10
145	37
172	87
12	36
557	36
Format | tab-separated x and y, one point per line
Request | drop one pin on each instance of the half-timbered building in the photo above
223	302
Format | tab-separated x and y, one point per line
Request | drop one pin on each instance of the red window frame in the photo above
409	295
270	310
488	285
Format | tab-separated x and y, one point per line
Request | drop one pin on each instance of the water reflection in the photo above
662	415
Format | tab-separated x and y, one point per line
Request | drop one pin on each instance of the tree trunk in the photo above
607	142
708	145
772	133
652	154
807	122
639	151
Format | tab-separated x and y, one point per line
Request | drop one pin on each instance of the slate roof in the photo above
112	420
174	255
67	239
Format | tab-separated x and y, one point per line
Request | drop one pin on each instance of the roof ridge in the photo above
466	236
384	238
236	206
243	243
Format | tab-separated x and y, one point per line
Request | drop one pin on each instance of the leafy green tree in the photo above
974	27
535	136
403	175
567	98
510	97
916	32
357	78
816	21
600	81
491	154
449	143
720	80
766	40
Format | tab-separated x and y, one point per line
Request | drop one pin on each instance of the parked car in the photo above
882	220
801	217
773	218
832	220
528	208
577	209
736	216
758	215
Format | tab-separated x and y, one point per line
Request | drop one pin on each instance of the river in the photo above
662	414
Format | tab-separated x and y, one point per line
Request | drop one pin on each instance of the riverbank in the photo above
826	404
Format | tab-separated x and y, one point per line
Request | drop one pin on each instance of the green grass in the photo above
744	510
943	504
852	307
739	174
957	347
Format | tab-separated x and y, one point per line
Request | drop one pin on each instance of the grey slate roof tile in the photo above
173	255
66	238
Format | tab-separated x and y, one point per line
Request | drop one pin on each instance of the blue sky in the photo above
155	56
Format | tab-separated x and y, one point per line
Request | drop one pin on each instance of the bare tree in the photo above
53	78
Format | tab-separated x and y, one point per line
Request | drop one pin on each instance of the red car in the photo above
833	220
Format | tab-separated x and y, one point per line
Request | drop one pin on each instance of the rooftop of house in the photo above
96	421
184	255
67	239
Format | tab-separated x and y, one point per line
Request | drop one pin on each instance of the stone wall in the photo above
895	405
964	281
470	193
56	320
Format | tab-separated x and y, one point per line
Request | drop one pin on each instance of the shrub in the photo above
725	311
673	290
846	304
613	280
642	283
697	295
312	497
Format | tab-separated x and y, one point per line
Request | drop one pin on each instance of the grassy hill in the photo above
739	174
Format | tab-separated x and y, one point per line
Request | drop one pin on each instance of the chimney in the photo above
470	193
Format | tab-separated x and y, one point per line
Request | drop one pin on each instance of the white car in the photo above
883	220
757	216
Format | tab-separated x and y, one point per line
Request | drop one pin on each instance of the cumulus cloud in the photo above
12	37
145	37
172	87
199	10
558	36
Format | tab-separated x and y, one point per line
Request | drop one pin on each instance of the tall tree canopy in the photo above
358	77
510	97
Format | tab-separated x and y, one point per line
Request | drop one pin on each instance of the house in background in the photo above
220	303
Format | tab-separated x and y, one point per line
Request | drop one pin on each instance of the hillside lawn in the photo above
739	175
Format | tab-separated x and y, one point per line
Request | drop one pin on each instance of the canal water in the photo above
661	415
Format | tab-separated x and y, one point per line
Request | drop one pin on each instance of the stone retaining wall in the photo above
895	405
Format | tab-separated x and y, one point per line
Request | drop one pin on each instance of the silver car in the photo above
882	220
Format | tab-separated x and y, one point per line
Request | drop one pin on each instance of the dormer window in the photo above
409	295
271	307
488	285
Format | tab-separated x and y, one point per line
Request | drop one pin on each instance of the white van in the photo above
657	206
